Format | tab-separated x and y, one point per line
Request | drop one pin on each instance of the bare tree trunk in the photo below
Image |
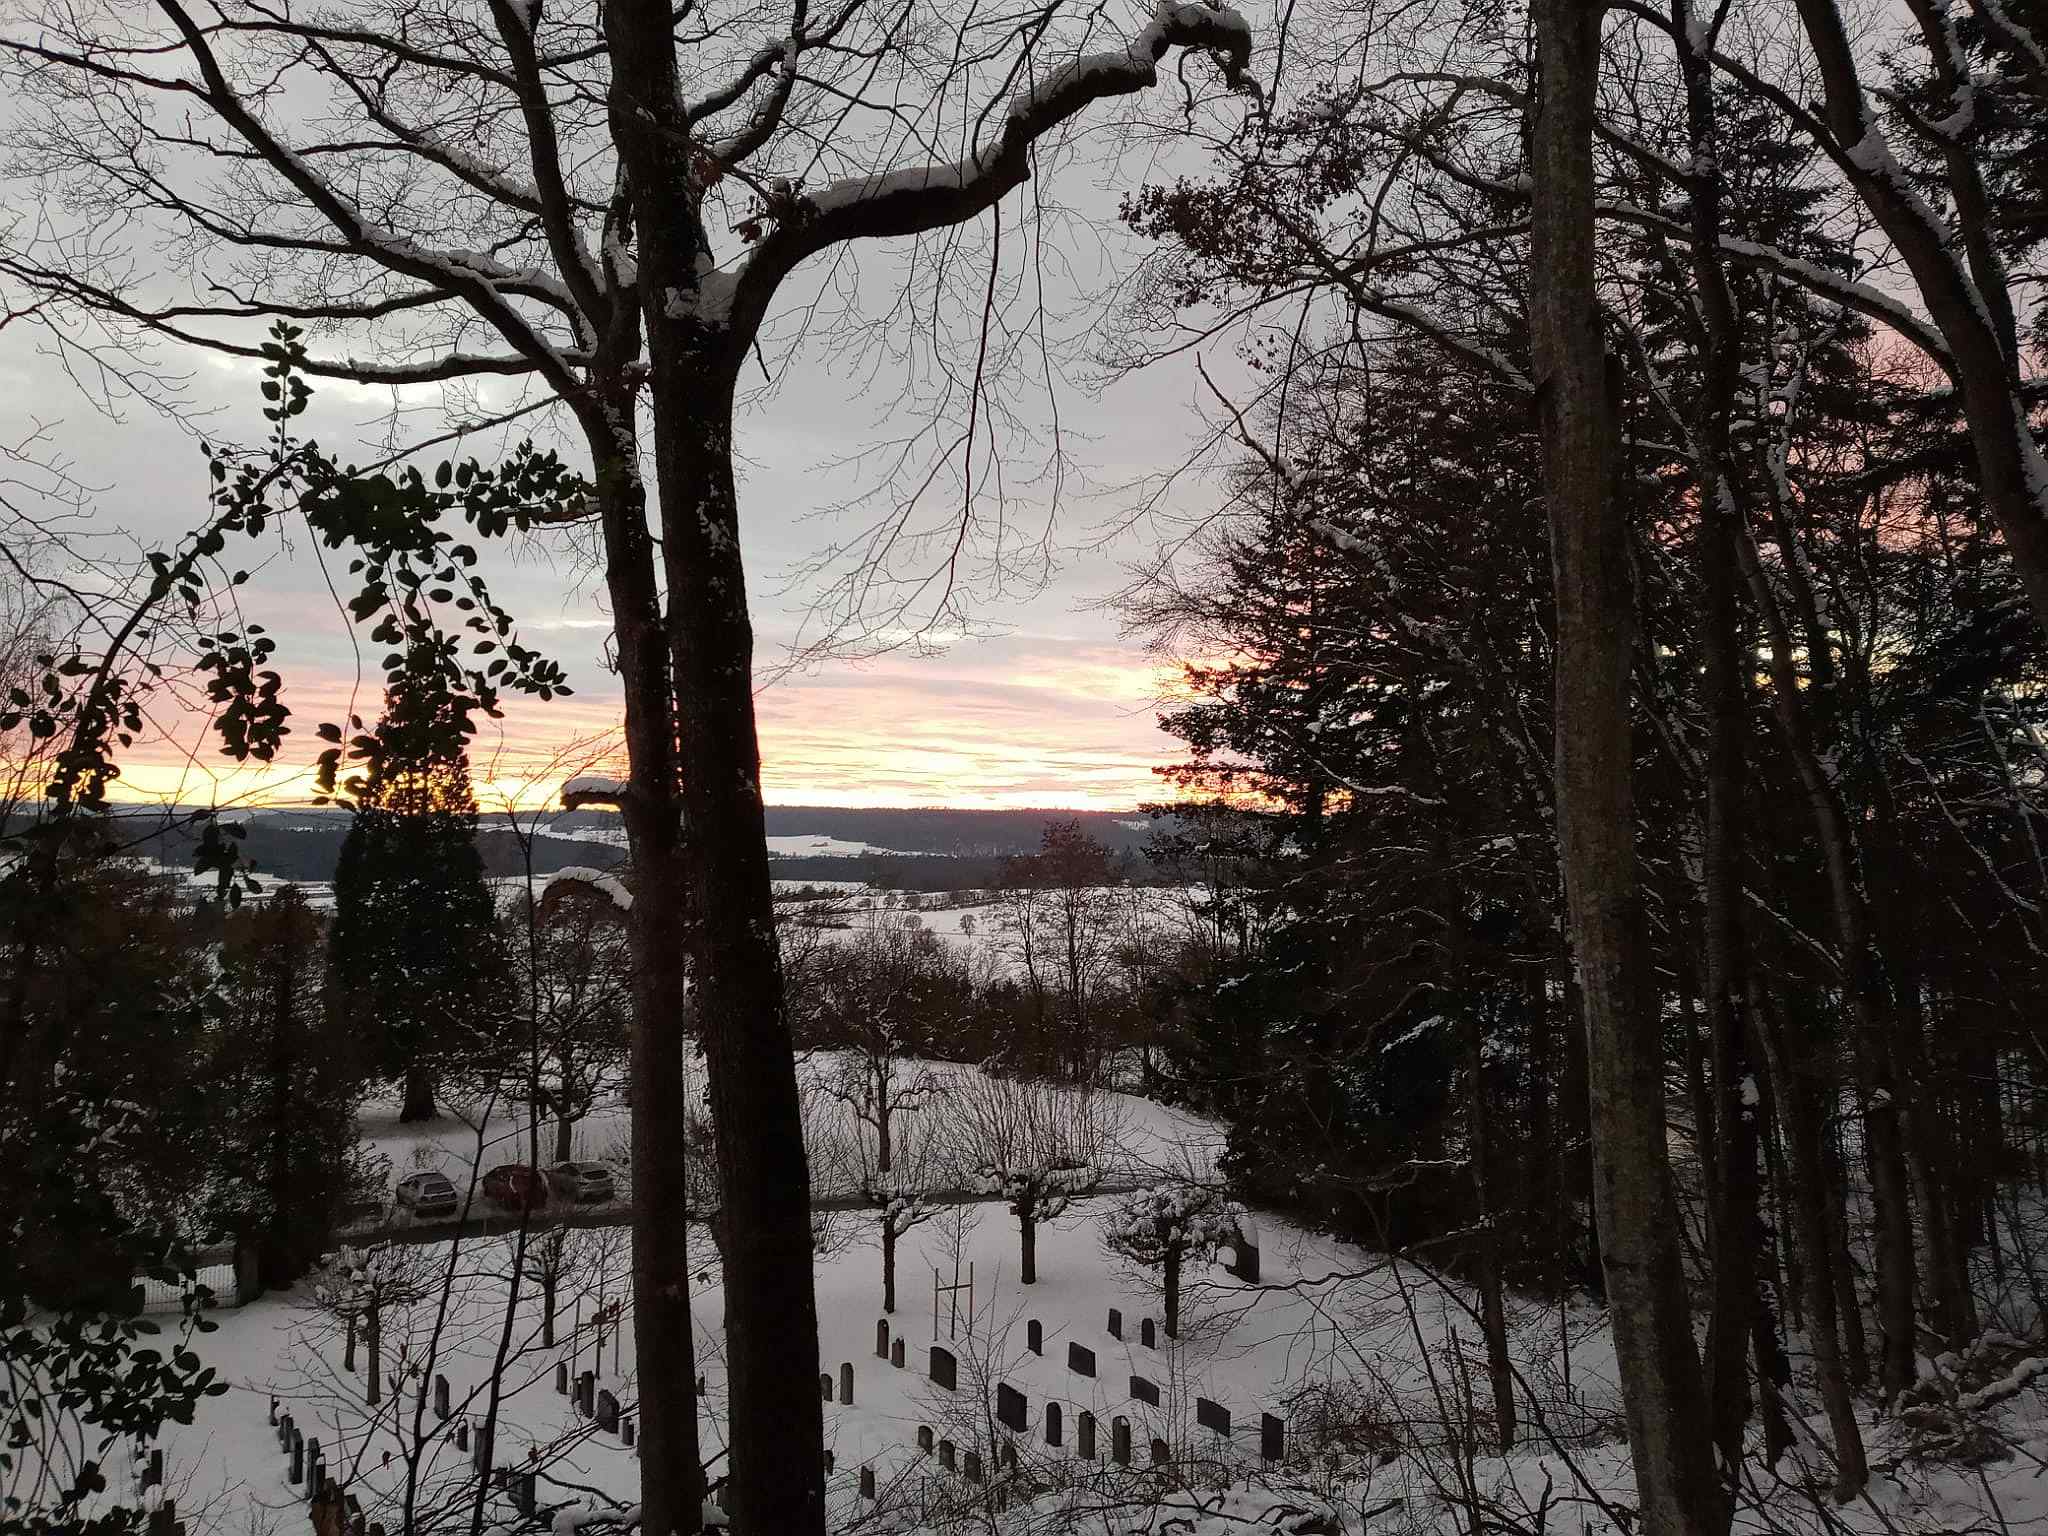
776	1429
1804	1147
1027	1227
1659	1366
373	1340
419	1096
563	1129
664	1346
1500	1371
1172	1268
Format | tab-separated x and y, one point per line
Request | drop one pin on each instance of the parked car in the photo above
582	1182
516	1186
427	1195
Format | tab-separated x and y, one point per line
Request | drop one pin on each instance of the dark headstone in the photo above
1012	1410
867	1482
831	1461
1161	1453
945	1369
1034	1337
1052	1423
881	1338
561	1378
1212	1415
824	1386
946	1454
462	1435
298	1468
1148	1333
1272	1438
480	1447
1116	1323
628	1435
273	1410
1247	1266
924	1437
973	1466
1080	1358
527	1494
608	1412
154	1477
312	1451
441	1398
1145	1391
1120	1440
846	1381
1084	1435
896	1353
586	1393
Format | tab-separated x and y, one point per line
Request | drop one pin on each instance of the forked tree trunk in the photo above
1659	1367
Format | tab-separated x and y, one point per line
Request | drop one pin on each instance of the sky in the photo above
1044	703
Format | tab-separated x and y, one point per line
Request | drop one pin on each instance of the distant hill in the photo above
922	849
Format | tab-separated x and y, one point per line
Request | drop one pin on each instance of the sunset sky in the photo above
1048	705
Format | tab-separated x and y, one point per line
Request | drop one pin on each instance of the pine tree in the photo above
417	964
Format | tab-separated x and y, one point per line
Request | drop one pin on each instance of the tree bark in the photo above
1659	1368
1172	1267
419	1096
1027	1227
888	1266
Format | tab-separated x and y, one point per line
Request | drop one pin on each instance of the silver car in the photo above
427	1196
582	1182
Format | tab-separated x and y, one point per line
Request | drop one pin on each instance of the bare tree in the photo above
1039	1145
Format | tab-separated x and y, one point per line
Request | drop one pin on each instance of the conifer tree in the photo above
416	961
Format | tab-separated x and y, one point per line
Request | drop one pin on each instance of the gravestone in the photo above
1034	1337
824	1386
586	1393
1272	1438
1161	1453
298	1467
973	1467
273	1410
1012	1411
1212	1415
1084	1435
1120	1440
527	1494
867	1482
924	1438
462	1435
481	1447
561	1378
628	1435
1052	1423
881	1338
946	1454
846	1381
441	1398
1246	1251
1145	1391
608	1412
1116	1323
945	1369
1148	1333
312	1452
1080	1359
830	1461
896	1353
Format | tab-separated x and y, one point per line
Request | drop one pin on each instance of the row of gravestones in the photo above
306	1467
845	1382
599	1403
969	1463
1013	1411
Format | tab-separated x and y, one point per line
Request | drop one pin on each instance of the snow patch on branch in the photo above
597	879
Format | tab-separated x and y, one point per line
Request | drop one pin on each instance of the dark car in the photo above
516	1186
427	1195
582	1182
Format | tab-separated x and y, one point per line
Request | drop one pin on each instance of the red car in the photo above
515	1186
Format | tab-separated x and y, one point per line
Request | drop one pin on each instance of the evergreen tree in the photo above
417	963
291	1081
